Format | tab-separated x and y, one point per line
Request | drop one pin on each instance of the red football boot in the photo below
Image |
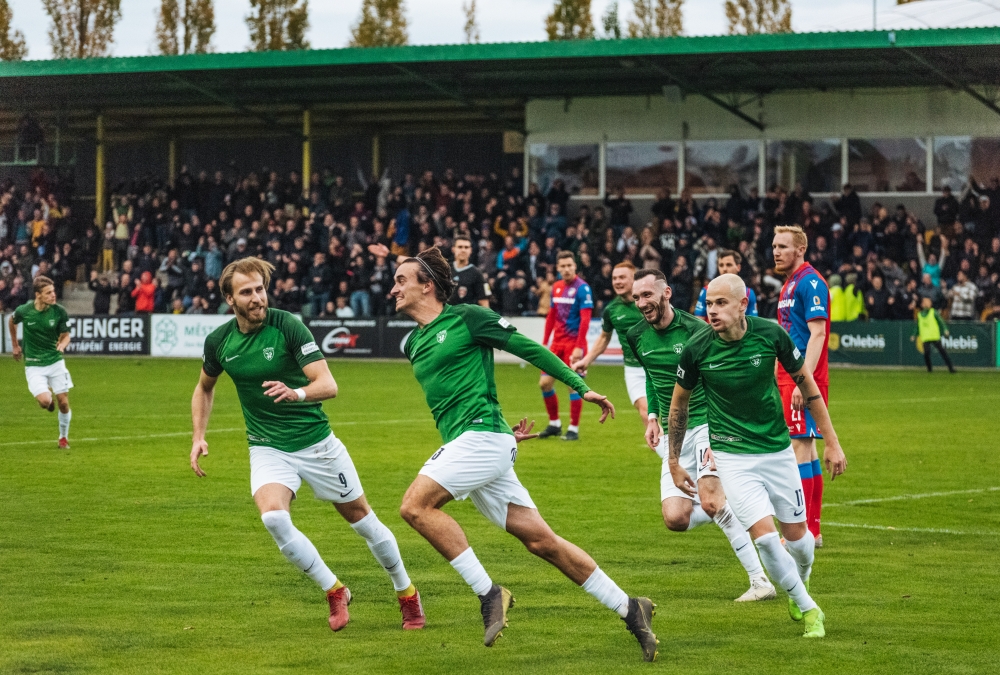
339	599
413	612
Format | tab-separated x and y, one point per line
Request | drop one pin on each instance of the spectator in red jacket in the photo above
144	293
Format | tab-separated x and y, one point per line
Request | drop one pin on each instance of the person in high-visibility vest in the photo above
930	328
854	301
838	302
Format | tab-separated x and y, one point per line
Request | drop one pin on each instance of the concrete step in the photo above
77	298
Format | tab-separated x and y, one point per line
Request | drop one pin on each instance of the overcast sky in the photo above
435	21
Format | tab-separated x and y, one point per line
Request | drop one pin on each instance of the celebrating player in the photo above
620	315
281	378
803	311
452	355
730	262
46	336
566	323
750	442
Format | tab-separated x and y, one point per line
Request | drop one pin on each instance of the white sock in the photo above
607	592
383	546
64	418
555	423
575	428
468	565
698	517
740	541
297	548
781	566
802	551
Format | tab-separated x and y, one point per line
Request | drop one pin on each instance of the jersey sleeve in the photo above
699	307
486	326
19	314
688	369
606	325
63	322
546	361
585	297
813	295
752	303
210	357
789	356
300	341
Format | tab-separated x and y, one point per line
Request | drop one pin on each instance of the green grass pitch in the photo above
115	558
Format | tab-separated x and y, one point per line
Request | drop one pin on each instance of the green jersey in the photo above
744	406
659	352
452	359
620	316
41	333
277	351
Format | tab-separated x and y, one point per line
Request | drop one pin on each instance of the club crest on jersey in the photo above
572	292
268	353
755	360
442	336
52	322
678	348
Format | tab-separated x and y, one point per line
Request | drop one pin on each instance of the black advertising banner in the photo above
394	335
356	338
113	335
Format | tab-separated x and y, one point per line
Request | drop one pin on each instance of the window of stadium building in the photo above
814	164
712	167
642	168
577	166
956	158
888	165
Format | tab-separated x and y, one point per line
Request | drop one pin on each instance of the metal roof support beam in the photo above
711	97
453	95
951	80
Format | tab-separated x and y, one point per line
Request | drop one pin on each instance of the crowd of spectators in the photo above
163	248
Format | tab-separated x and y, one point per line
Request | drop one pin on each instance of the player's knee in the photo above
44	401
544	546
675	520
410	511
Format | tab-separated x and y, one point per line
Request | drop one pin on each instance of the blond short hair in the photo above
798	234
41	282
246	267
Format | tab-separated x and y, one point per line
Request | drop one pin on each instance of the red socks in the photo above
814	507
575	408
551	405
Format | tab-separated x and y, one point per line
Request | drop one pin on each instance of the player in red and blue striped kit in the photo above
566	323
804	311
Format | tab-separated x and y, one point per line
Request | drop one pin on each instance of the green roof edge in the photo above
675	46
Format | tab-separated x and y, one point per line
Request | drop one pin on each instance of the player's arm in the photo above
581	337
602	343
550	324
201	410
678	424
12	326
63	342
814	349
833	455
654	430
321	385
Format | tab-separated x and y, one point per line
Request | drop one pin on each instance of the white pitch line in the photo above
926	530
210	431
925	495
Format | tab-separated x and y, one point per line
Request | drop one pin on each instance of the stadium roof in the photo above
487	84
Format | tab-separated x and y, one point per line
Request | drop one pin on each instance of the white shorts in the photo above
635	383
694	458
480	464
326	466
759	486
42	378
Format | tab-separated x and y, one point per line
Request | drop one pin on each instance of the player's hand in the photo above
682	479
576	355
17	353
654	432
279	392
836	460
798	403
522	431
579	365
379	250
606	407
198	449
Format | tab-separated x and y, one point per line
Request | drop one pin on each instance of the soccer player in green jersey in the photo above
619	315
658	342
750	443
46	336
281	379
452	355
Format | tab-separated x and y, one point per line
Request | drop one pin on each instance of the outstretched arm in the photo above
833	455
201	410
602	343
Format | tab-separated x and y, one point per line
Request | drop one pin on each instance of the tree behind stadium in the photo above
82	28
12	47
656	18
278	25
471	27
570	20
749	17
382	24
187	29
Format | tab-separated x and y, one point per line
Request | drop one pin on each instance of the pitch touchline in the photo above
930	530
925	495
188	433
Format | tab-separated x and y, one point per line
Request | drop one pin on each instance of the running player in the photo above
750	443
803	311
452	355
46	336
658	342
730	262
566	323
470	286
620	315
281	379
